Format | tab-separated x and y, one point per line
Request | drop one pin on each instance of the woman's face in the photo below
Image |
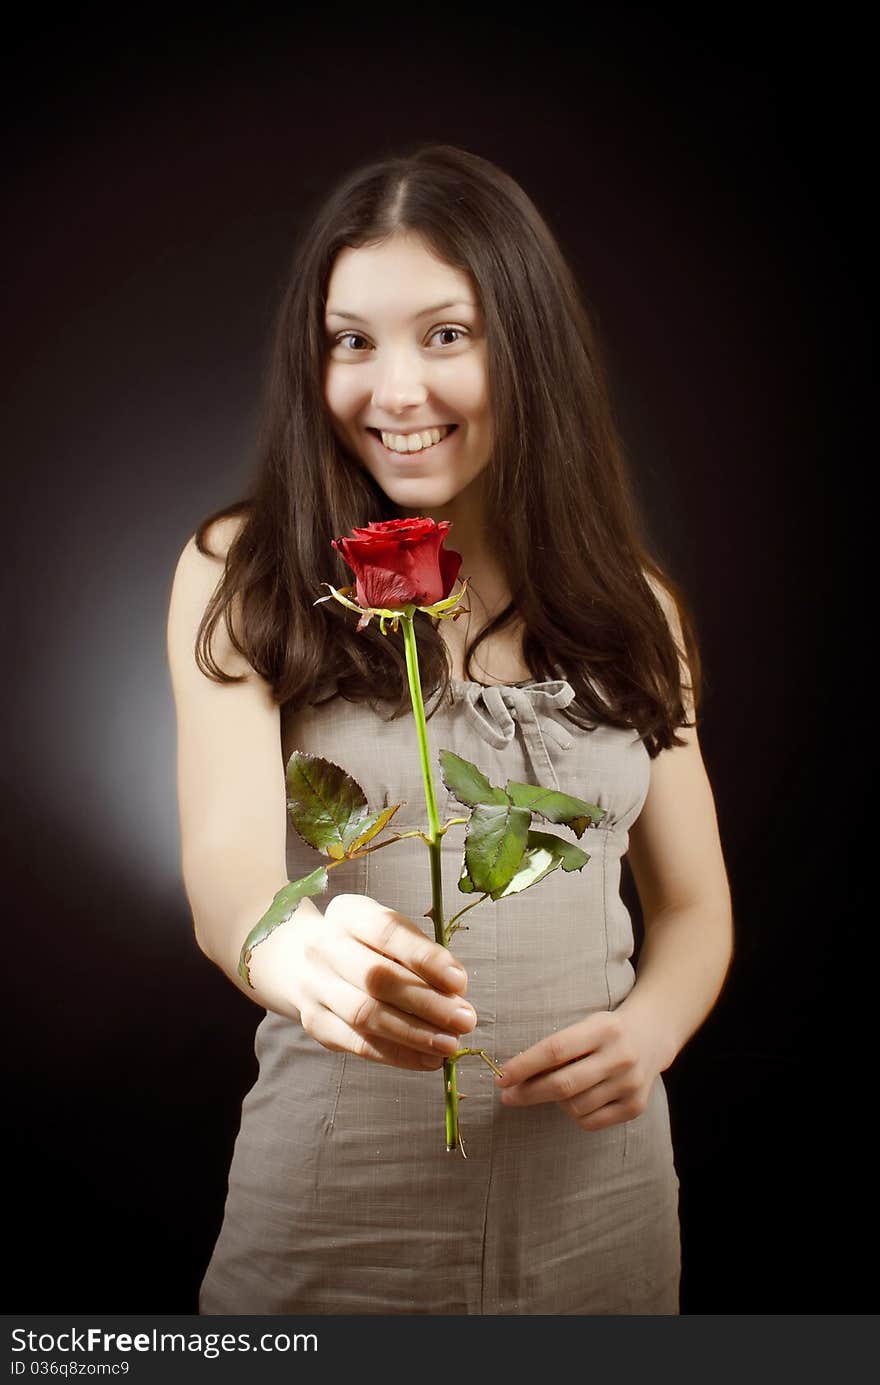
399	364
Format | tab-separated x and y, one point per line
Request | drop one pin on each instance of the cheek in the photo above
339	393
473	389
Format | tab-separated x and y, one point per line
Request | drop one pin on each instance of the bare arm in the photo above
678	866
230	777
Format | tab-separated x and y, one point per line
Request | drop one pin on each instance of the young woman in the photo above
433	358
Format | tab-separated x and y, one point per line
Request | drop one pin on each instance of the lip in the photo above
409	457
425	428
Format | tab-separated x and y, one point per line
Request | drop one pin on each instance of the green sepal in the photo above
555	806
394	613
467	783
329	808
278	912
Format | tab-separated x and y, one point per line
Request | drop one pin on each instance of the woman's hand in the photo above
366	979
600	1070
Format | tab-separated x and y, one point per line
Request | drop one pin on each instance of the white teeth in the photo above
414	442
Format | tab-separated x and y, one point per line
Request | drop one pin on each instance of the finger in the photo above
593	1098
396	936
388	981
614	1113
375	1019
562	1084
333	1032
549	1053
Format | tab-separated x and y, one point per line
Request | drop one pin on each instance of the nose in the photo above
399	383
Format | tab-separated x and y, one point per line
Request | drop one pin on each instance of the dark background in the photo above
706	185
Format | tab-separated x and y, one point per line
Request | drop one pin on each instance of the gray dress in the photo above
342	1197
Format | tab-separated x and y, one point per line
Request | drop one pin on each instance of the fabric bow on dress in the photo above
494	712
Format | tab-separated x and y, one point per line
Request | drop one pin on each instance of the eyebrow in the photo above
438	307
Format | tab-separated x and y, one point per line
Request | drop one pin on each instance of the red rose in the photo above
401	562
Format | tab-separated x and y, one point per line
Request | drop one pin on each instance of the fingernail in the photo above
455	976
465	1016
448	1042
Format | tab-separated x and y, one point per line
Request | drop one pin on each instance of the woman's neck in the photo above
499	658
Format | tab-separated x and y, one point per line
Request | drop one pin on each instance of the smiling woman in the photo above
433	361
410	401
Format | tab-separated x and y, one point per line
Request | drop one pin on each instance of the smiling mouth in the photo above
417	452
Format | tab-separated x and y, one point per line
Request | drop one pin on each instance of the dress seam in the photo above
605	914
605	837
335	1106
491	1137
485	1223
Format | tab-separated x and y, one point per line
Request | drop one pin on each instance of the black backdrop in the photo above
706	186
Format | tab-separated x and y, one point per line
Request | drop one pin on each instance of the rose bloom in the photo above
400	562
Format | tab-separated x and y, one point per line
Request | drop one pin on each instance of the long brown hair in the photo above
581	578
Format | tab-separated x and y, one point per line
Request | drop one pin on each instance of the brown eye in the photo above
345	336
459	331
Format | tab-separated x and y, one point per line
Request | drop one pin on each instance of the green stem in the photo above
434	839
479	1053
453	926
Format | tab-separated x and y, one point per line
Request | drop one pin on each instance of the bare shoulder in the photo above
669	607
667	603
674	846
196	580
197	566
221	535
